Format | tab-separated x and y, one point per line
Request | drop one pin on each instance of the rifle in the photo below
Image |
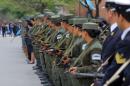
104	30
116	75
101	67
105	63
39	34
64	58
86	75
54	51
42	31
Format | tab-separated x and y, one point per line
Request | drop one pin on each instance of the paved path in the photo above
13	69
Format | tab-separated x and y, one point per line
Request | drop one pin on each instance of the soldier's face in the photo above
108	15
83	34
120	22
70	30
76	30
79	33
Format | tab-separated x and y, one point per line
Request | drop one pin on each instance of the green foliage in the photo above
12	9
20	8
67	3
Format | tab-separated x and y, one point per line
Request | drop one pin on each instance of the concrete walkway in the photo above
13	69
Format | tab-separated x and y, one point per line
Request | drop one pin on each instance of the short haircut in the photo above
92	33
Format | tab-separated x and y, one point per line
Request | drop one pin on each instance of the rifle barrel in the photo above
86	75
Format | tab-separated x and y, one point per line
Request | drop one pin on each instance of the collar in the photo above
113	27
125	33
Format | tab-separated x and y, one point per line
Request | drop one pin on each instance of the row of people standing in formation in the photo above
69	50
9	29
58	46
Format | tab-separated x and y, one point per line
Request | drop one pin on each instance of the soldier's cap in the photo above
122	6
46	10
79	25
90	26
66	17
78	20
49	14
27	18
110	4
55	19
40	16
98	20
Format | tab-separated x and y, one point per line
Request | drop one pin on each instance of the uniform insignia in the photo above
96	56
120	59
59	36
84	46
67	35
112	33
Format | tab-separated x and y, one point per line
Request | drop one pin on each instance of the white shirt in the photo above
113	27
125	33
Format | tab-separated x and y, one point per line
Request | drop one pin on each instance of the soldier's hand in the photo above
43	48
65	60
73	70
59	52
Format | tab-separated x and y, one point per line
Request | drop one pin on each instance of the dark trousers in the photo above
127	81
3	33
30	50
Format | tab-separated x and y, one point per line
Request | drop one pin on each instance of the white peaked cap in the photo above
110	0
122	2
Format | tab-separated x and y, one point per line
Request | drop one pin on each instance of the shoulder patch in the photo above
96	56
84	46
120	58
59	36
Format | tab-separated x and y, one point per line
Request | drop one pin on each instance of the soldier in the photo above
38	43
58	67
38	35
90	58
122	48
